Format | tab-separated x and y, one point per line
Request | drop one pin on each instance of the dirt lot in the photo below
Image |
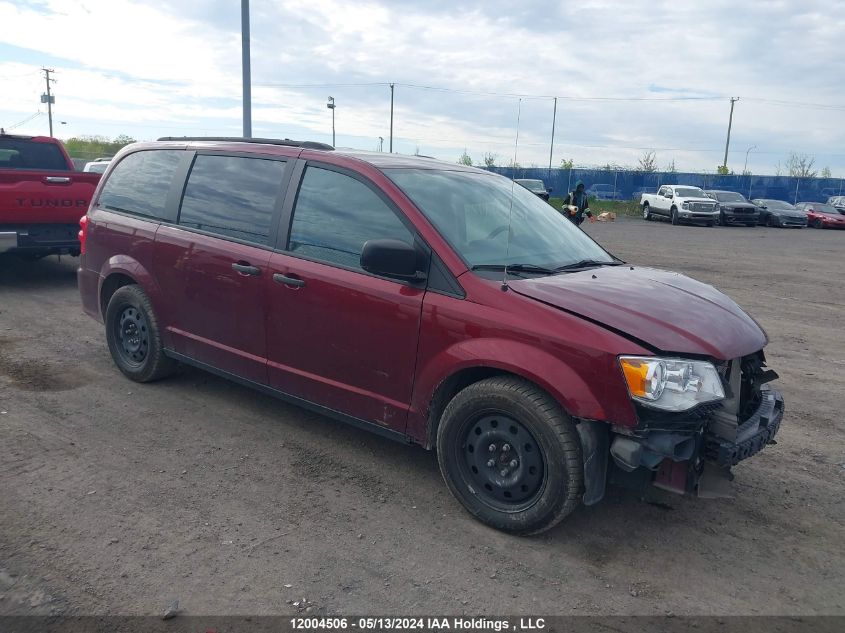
119	498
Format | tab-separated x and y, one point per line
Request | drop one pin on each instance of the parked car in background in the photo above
41	197
369	287
734	208
97	166
822	216
838	202
639	191
779	213
535	186
603	192
680	203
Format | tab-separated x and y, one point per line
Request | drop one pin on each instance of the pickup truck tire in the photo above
647	212
134	337
510	455
674	215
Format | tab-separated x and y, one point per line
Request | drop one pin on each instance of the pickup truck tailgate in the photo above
28	197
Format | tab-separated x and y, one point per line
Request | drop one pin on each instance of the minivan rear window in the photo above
140	183
232	196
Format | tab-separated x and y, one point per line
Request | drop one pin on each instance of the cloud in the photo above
150	68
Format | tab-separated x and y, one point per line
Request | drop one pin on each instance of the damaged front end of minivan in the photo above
692	450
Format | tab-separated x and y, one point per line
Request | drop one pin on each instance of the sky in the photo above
630	76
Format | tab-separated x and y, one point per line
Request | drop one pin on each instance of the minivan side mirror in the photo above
391	258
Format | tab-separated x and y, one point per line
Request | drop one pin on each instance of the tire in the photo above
647	212
537	473
817	224
769	221
673	213
134	336
710	224
722	220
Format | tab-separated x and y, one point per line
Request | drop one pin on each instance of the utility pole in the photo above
552	147
48	98
245	70
728	142
330	105
391	118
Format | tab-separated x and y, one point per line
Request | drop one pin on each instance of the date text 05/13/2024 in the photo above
451	623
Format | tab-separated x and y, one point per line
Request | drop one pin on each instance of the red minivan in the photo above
430	302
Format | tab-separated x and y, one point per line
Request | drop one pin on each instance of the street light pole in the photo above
330	105
245	69
391	118
552	146
381	143
745	169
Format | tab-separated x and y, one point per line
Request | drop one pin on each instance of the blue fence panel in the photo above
629	185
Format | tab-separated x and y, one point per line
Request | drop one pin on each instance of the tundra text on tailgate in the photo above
41	197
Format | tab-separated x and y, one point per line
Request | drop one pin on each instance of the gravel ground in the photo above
118	498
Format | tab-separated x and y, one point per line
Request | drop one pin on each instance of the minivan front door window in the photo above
335	214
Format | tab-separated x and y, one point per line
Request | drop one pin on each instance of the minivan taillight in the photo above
83	233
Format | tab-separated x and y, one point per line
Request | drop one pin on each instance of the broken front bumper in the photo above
751	436
677	455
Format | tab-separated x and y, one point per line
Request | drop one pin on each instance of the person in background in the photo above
576	204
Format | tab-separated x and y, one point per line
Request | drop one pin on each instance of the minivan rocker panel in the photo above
540	367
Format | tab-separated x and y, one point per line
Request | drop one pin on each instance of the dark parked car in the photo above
537	187
822	216
779	213
432	303
734	208
603	192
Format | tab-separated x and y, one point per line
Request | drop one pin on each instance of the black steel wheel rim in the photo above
132	334
502	462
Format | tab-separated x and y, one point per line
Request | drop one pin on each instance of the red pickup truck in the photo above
41	197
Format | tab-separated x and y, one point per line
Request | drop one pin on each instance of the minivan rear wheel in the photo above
134	337
511	455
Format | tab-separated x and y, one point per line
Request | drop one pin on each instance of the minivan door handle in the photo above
288	281
246	269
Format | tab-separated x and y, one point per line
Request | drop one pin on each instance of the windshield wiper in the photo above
586	263
517	268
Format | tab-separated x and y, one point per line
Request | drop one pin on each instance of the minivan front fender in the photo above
583	392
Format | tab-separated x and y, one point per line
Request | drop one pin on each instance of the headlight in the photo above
671	384
685	205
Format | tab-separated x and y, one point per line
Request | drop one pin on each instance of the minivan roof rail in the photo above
263	141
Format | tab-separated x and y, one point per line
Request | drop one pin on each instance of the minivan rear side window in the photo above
139	183
232	196
335	214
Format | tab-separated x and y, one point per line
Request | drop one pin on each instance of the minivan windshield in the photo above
490	221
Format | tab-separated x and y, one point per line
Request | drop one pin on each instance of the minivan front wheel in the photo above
134	337
511	455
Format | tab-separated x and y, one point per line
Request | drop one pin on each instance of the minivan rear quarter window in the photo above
335	214
232	196
140	182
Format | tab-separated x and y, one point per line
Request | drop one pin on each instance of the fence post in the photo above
615	175
797	182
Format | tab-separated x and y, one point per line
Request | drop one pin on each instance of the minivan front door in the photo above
336	335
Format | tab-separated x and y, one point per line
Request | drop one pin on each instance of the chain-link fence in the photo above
630	185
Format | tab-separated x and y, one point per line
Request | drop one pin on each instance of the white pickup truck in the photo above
680	203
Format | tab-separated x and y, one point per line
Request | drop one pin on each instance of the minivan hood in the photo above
668	311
